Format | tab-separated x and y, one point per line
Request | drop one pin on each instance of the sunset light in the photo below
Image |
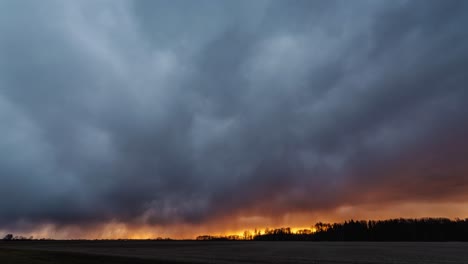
184	131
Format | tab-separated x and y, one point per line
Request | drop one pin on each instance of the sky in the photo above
145	118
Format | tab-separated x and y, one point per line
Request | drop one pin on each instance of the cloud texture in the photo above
163	112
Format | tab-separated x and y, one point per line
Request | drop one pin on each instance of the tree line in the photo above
10	237
423	229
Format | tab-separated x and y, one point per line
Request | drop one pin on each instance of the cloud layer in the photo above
163	112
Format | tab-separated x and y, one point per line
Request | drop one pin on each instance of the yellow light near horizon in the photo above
234	226
241	233
296	229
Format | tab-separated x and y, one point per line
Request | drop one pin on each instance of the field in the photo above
143	252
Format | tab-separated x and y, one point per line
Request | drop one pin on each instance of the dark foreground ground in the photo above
143	252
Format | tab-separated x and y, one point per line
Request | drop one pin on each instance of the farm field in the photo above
142	252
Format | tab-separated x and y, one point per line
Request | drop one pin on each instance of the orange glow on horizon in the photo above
236	225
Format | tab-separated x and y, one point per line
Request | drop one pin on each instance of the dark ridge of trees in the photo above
425	229
219	238
10	237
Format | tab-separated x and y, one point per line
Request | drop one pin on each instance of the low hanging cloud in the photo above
158	112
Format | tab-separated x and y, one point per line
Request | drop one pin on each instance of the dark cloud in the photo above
182	112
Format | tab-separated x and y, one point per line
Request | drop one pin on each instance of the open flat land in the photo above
142	252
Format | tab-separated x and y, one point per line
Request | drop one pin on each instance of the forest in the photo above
423	229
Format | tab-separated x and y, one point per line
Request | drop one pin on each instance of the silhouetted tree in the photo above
247	235
8	237
425	229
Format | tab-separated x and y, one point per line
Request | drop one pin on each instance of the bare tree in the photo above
8	237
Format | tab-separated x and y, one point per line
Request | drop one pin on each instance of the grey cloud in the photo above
181	111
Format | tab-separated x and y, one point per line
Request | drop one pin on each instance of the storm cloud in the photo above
162	112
